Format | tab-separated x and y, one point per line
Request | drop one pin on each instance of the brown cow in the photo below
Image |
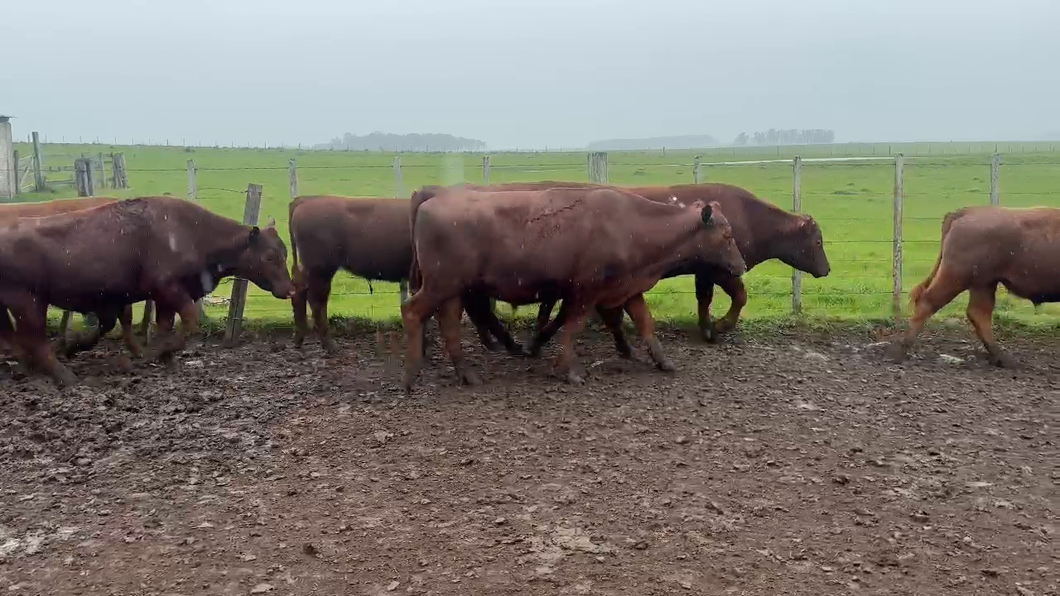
983	246
762	230
10	213
369	238
104	258
595	247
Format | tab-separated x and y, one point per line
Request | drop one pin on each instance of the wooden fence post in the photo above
995	173
38	164
697	170
896	266
598	167
239	287
193	181
292	177
121	176
485	169
101	172
398	191
796	206
83	177
18	175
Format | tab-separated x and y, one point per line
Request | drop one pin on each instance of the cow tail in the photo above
419	197
918	290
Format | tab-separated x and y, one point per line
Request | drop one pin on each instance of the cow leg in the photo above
638	310
298	305
612	318
488	325
573	323
127	334
7	333
317	294
734	287
31	324
704	297
189	324
981	314
547	329
414	313
449	325
942	291
105	320
145	322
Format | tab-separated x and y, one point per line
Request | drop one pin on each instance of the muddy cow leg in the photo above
942	291
7	330
145	322
177	301
414	314
318	292
449	325
488	325
737	291
981	314
31	322
127	334
298	305
573	323
641	315
612	318
546	331
105	320
704	297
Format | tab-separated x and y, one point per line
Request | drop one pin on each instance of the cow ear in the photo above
255	234
707	212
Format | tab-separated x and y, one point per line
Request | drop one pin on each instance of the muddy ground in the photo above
789	466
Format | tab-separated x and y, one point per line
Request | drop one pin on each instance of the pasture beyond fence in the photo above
881	215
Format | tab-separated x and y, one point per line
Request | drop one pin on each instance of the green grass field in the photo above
852	201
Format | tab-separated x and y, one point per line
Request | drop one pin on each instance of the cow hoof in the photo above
897	353
723	326
516	350
666	365
574	378
710	334
469	378
298	341
1004	361
489	346
66	378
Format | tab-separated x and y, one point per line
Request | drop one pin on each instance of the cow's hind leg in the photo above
641	315
704	297
31	323
105	320
145	322
298	306
612	318
188	310
449	326
488	325
943	289
127	334
318	292
737	291
547	329
573	323
981	314
414	314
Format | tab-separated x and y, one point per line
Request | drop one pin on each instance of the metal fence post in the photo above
896	267
796	206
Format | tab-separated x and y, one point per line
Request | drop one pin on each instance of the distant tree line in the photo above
383	141
655	143
790	136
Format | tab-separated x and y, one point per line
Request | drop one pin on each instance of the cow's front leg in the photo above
704	297
734	287
177	301
641	315
573	323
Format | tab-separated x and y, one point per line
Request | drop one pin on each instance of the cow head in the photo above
802	247
263	261
716	245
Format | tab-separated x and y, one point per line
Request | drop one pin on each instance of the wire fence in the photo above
875	256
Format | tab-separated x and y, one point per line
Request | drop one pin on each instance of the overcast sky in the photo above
530	73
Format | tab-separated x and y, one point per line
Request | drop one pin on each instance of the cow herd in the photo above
592	248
